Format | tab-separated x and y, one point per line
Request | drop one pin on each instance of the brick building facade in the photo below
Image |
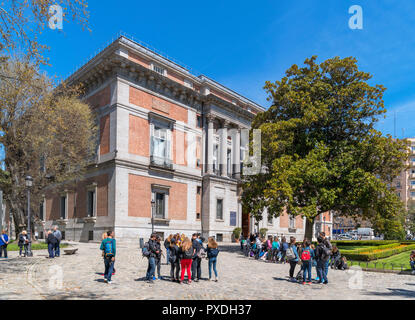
170	146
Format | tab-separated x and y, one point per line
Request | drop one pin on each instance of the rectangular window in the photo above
199	190
160	144
219	209
188	83
412	194
63	235
398	184
412	182
160	205
199	122
215	159
63	207
91	235
198	216
91	203
159	70
229	162
292	222
232	219
219	237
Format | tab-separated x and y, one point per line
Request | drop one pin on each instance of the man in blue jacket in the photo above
4	241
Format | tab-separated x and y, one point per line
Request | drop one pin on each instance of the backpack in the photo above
290	254
305	255
146	250
213	253
201	253
326	252
108	249
173	255
188	254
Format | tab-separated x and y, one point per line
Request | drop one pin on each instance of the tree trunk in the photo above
309	229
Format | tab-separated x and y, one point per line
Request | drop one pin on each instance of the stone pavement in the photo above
79	277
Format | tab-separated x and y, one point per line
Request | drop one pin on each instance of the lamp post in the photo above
29	182
153	206
324	224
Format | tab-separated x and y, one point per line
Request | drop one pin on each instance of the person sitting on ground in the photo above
335	258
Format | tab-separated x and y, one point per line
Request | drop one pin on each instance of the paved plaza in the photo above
79	277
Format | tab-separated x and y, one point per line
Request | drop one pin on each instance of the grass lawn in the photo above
396	260
35	246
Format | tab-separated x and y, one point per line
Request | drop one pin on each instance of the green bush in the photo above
263	232
385	246
344	243
237	233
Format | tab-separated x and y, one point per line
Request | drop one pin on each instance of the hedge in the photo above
345	243
385	246
378	255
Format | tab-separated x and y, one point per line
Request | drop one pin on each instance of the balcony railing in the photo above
161	162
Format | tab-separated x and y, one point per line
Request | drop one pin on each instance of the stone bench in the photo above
70	251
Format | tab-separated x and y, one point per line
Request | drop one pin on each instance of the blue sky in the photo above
244	43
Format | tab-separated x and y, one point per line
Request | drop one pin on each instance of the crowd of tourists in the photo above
307	255
184	256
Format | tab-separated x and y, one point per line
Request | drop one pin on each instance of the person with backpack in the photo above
58	236
167	246
150	252
284	248
322	256
174	260
292	256
307	256
212	255
186	253
329	250
51	242
4	241
108	246
198	254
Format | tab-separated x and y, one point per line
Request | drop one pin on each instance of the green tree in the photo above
47	133
320	150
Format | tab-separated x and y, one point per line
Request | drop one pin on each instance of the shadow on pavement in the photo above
394	292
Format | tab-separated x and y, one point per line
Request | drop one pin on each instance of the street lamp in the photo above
324	224
153	206
29	183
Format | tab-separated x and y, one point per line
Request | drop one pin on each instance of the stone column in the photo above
224	148
210	119
236	153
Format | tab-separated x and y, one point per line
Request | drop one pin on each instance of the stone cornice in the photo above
109	62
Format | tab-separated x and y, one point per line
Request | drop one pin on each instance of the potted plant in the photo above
263	232
236	233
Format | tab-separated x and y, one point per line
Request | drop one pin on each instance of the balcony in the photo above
163	163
